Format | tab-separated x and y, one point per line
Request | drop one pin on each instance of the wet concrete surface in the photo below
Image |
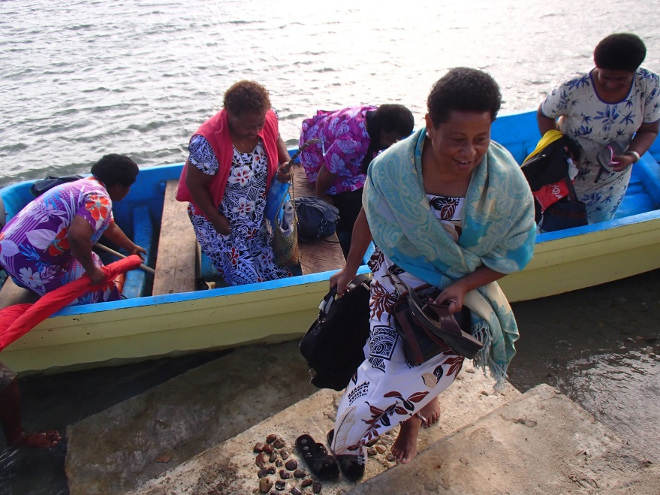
600	346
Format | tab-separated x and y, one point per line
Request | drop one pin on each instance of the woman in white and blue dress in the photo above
233	158
617	101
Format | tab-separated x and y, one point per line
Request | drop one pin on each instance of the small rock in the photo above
273	456
295	491
265	484
371	452
164	458
390	457
260	460
306	483
271	438
258	447
285	475
470	370
263	472
279	463
299	473
278	443
280	485
268	449
271	470
381	449
291	465
284	454
316	487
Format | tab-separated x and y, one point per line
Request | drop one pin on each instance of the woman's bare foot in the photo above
38	440
430	413
405	445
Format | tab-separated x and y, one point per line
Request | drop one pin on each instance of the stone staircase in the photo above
195	435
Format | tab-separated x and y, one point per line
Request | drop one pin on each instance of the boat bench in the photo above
322	255
177	260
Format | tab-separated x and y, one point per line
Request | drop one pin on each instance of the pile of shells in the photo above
278	470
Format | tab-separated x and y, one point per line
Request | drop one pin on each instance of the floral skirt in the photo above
387	390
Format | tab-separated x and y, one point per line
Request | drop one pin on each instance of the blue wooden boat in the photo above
145	325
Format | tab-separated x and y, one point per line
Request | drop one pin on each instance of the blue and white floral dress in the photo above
245	255
593	124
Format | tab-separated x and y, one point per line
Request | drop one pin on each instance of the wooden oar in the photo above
119	255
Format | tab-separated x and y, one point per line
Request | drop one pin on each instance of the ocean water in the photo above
82	78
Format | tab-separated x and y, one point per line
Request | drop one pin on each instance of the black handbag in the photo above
333	345
427	329
316	218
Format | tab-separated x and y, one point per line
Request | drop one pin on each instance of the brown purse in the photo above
427	329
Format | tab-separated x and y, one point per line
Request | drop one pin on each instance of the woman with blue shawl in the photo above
446	207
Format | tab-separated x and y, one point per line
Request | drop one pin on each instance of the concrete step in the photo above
541	443
134	441
229	468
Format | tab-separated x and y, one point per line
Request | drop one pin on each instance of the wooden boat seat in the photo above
322	255
177	258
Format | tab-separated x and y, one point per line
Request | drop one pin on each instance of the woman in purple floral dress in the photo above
348	140
49	242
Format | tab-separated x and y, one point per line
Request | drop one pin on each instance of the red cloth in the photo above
19	319
216	131
551	193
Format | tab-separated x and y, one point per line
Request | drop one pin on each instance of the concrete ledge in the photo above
229	468
541	443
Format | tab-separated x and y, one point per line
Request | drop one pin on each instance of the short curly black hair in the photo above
246	96
115	169
465	90
620	51
392	117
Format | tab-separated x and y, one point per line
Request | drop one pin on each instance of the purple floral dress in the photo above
343	144
34	247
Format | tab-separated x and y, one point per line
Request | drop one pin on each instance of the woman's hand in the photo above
453	296
284	172
221	224
622	162
341	279
139	250
96	275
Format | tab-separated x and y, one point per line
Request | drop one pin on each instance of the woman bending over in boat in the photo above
348	139
233	158
446	207
49	242
615	105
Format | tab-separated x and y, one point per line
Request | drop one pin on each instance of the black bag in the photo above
549	166
42	185
316	218
333	345
427	329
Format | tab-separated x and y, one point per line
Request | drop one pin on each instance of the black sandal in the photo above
348	463
322	465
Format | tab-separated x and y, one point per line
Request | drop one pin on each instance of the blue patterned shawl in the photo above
498	232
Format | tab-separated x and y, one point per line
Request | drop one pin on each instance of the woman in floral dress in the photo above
49	242
233	158
347	141
616	102
449	208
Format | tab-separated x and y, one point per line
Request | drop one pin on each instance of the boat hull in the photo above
147	327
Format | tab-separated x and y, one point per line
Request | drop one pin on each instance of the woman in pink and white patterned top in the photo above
348	139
